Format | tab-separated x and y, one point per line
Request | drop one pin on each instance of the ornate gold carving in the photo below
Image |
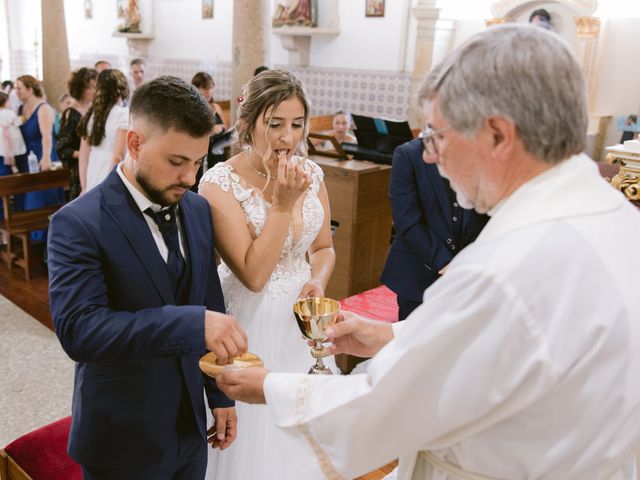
612	159
490	22
627	184
587	27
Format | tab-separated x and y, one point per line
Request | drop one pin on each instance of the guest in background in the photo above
11	145
37	132
260	69
629	134
103	129
101	65
11	142
430	225
205	84
540	18
137	70
14	101
342	123
64	102
82	88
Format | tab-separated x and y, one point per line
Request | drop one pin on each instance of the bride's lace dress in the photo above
261	450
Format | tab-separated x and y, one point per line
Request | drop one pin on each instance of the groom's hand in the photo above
224	336
245	385
224	429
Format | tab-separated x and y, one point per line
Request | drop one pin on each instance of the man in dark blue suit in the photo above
430	226
136	300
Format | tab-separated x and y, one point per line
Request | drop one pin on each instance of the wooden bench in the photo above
21	223
321	123
225	105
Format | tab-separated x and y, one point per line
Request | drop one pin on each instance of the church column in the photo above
426	15
251	45
55	52
587	33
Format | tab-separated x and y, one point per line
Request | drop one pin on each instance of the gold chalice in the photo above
314	315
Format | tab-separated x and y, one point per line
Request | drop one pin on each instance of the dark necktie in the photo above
166	221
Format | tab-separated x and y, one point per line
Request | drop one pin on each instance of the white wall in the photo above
370	43
180	32
93	36
618	83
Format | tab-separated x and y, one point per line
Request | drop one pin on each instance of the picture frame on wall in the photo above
121	8
207	9
88	9
374	8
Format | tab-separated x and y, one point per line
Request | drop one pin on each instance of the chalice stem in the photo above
317	352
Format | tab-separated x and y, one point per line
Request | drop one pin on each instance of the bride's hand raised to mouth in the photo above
290	183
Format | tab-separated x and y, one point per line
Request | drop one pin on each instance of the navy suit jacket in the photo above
423	223
114	312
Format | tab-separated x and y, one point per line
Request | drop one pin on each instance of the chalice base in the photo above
320	370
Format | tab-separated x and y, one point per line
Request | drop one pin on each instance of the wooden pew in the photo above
20	224
225	105
321	123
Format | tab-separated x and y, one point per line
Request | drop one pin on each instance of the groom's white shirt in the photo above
523	361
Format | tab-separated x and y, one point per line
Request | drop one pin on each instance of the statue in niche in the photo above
132	18
296	13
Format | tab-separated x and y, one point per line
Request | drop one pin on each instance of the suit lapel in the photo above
192	227
439	189
125	213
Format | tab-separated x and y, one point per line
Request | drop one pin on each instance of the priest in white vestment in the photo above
524	360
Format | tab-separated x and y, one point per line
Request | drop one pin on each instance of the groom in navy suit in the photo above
430	226
136	300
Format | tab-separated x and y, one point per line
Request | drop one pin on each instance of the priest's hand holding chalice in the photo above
314	316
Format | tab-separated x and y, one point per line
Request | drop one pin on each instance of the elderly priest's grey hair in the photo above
519	72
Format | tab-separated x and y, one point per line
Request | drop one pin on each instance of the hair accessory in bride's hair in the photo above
240	99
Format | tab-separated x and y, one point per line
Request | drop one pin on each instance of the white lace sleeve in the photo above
224	176
317	175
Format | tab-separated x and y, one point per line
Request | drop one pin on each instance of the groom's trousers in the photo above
187	462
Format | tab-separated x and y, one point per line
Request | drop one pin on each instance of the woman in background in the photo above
82	88
205	84
103	129
37	131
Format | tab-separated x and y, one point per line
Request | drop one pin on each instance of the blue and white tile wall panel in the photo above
365	92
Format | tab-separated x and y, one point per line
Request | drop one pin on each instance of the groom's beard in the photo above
156	194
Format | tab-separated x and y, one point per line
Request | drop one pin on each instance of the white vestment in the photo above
522	363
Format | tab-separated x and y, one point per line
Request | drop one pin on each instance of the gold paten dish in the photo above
209	366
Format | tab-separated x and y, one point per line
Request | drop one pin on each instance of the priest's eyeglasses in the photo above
428	137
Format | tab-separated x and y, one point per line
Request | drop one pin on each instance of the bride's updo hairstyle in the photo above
269	89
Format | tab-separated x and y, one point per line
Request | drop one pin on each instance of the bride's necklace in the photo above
269	177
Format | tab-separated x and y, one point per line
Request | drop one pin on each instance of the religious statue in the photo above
132	18
296	13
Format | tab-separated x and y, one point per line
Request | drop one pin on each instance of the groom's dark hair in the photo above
170	102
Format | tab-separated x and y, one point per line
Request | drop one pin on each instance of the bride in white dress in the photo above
272	226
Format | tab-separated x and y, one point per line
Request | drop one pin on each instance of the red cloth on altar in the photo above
378	304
